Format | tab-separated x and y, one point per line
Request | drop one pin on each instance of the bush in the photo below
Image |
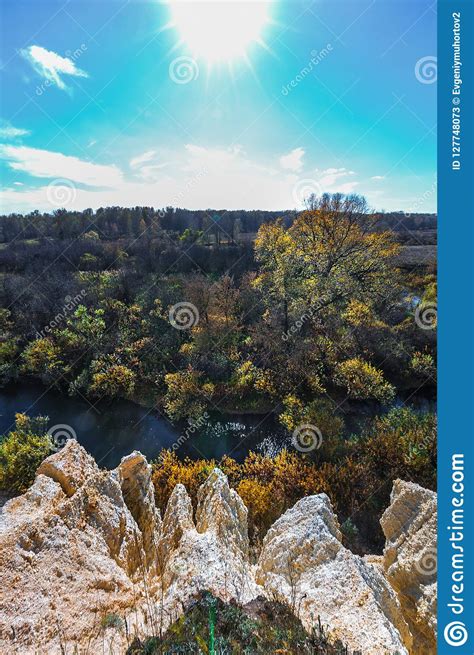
319	413
187	394
262	627
358	481
424	366
112	379
259	499
42	358
21	452
168	471
111	621
403	444
363	381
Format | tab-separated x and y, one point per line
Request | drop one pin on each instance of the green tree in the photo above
21	452
363	381
327	257
42	358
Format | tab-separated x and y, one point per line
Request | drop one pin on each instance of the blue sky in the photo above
116	104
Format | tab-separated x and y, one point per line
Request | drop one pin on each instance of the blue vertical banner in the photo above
456	327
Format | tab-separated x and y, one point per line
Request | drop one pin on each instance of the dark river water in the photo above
111	430
114	429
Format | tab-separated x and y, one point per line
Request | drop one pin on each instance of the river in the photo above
110	430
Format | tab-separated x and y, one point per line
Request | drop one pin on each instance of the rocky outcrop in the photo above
70	467
178	520
221	511
134	477
64	562
410	559
83	544
304	563
210	554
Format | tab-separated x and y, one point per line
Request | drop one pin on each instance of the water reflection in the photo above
114	429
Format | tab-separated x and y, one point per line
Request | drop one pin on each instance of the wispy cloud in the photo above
378	177
194	176
142	159
293	161
335	180
47	164
7	131
51	66
146	166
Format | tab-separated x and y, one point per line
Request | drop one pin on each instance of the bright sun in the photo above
221	29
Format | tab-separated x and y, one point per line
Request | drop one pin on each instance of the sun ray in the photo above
219	32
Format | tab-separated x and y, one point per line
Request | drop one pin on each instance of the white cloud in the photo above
136	162
334	180
151	173
51	66
7	131
47	164
194	176
293	161
226	178
146	167
378	177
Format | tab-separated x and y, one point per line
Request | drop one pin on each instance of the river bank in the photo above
111	429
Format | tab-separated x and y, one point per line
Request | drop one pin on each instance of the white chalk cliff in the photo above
82	543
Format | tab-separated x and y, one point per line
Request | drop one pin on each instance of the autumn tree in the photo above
311	273
327	257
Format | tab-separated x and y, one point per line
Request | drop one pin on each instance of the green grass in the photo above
211	627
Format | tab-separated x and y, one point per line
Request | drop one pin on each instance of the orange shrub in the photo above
399	444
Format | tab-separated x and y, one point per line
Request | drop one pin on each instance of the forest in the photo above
308	316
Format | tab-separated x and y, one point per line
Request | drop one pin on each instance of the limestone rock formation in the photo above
134	477
71	466
83	544
410	563
222	511
177	521
61	565
211	554
304	563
